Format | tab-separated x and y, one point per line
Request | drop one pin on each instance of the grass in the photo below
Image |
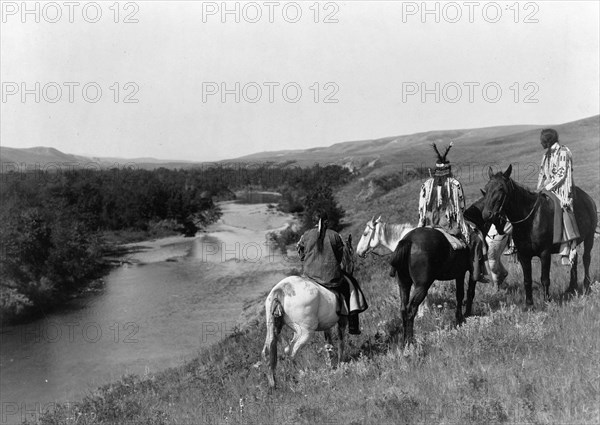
505	365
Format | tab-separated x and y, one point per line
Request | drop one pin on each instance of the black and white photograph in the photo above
299	212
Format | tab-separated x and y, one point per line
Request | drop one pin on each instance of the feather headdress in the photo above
442	158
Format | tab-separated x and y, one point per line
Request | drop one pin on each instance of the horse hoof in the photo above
529	307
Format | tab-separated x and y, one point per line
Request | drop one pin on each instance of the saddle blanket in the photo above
558	219
358	302
454	241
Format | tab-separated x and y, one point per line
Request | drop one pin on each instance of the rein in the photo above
528	215
371	250
380	255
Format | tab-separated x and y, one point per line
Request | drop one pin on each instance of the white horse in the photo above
305	307
379	233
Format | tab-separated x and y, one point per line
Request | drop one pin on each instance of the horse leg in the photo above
460	295
301	337
416	299
546	260
573	280
470	296
341	332
526	267
328	343
404	284
588	244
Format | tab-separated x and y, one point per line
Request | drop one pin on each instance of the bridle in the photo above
371	227
370	250
500	210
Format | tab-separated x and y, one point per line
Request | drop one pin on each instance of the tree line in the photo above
53	225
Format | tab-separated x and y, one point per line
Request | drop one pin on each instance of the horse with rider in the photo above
448	242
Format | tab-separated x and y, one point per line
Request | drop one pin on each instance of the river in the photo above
169	299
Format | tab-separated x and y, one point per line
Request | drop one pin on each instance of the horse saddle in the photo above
356	302
455	242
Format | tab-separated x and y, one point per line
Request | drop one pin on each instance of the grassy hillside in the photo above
505	365
519	143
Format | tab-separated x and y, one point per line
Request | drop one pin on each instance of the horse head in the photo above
370	237
496	192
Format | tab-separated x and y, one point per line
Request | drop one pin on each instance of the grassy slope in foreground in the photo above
505	366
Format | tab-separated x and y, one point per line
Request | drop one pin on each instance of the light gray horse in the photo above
305	307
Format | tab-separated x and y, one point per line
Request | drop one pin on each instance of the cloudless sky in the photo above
361	75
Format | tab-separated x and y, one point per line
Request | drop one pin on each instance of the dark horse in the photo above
425	255
532	216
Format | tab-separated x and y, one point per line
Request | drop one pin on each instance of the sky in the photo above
205	81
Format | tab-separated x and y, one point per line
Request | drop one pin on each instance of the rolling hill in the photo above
41	156
474	150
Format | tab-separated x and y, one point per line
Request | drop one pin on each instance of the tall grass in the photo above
505	365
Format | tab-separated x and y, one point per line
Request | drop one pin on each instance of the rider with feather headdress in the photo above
442	201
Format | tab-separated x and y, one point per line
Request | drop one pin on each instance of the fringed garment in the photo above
556	174
443	206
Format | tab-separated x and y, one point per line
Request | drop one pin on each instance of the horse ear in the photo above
373	219
508	171
482	192
379	219
490	172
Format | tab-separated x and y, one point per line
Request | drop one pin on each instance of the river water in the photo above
170	299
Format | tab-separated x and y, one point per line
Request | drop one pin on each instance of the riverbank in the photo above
165	300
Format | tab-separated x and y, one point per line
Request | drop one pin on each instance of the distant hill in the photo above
42	157
38	155
474	150
362	152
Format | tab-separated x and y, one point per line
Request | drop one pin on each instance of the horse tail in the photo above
400	257
275	321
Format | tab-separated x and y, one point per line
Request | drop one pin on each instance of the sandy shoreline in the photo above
240	225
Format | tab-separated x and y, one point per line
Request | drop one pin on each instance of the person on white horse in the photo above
321	251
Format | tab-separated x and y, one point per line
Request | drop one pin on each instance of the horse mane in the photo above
474	214
394	230
514	184
519	193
